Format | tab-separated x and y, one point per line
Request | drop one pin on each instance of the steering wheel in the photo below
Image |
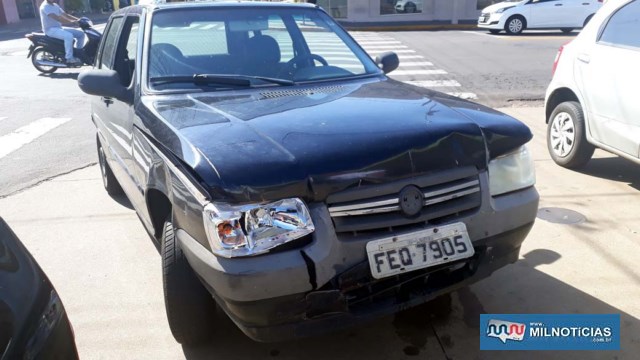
293	64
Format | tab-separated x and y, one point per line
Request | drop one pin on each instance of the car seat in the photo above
263	56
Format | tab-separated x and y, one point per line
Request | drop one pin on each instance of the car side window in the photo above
125	59
623	28
110	42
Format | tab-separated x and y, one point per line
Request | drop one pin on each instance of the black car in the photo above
286	176
33	322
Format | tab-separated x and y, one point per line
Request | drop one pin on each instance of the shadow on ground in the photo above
614	168
447	327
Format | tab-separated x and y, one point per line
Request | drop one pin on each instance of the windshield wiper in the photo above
222	79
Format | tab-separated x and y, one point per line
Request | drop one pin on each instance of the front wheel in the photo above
410	8
515	25
191	310
40	55
567	136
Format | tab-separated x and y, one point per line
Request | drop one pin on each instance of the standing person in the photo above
51	16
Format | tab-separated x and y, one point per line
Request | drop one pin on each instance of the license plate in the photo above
418	250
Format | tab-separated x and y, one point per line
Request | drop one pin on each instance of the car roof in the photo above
137	9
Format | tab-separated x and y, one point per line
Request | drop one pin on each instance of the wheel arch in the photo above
556	98
159	207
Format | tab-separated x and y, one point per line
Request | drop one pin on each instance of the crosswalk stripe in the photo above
2	118
385	47
26	134
415	63
418	72
464	95
434	83
383	42
378	51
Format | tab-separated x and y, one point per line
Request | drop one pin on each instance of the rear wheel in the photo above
40	55
587	20
515	25
410	8
108	179
190	308
566	136
566	30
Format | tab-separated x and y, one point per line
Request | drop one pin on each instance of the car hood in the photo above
495	7
311	141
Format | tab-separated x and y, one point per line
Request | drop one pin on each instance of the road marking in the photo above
464	95
415	63
417	72
378	51
2	118
382	42
434	83
385	47
26	134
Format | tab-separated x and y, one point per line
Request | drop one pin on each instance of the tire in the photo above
410	8
190	308
40	54
566	136
515	25
494	31
108	179
566	30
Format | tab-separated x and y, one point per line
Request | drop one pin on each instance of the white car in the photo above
514	16
592	100
409	6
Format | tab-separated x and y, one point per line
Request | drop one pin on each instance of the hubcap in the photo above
515	25
562	135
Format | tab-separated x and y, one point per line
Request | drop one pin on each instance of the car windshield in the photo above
269	46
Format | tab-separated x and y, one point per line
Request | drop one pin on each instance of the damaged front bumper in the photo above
327	284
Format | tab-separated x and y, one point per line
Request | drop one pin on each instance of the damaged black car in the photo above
293	184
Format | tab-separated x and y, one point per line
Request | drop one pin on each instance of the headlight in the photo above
511	172
255	229
500	11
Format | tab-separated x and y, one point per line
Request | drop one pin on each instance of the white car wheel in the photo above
515	25
566	136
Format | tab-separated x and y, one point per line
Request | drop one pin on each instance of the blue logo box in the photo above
549	332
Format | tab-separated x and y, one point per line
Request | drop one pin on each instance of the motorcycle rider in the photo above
51	16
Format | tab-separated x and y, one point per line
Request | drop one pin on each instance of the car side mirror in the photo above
388	61
104	83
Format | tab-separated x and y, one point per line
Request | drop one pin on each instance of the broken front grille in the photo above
380	206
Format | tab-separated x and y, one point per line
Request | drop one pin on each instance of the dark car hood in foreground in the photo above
315	140
26	296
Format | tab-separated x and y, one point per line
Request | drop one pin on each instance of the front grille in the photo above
455	192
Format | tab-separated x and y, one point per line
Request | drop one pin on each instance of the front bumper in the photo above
493	21
327	284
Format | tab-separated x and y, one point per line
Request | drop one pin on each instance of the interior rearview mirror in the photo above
104	83
388	61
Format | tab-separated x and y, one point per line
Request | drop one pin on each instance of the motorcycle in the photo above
47	53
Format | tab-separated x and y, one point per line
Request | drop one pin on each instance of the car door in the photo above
117	114
546	13
610	81
574	13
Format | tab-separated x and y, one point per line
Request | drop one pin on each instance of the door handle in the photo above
585	58
558	4
107	100
586	3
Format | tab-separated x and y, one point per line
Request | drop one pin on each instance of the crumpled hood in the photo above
311	141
